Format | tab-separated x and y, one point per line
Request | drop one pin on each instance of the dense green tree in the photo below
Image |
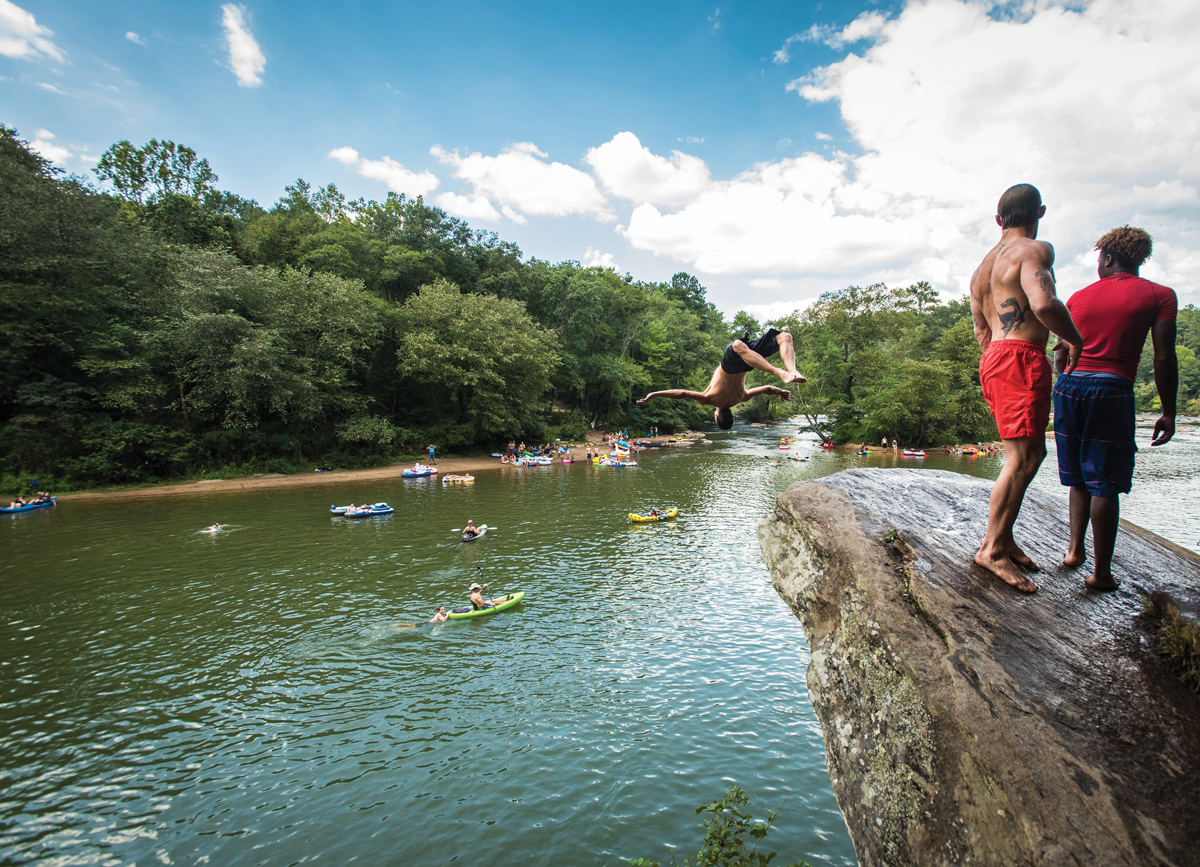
247	344
71	268
869	354
155	170
482	363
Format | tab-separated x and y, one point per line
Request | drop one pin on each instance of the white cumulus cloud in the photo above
44	144
469	207
1097	103
22	37
783	217
396	176
628	169
56	153
246	59
523	184
133	37
347	156
593	258
868	25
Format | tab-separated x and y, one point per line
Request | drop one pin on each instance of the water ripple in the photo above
261	697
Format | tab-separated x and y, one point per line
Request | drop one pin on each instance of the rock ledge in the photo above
968	724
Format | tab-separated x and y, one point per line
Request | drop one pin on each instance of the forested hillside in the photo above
169	329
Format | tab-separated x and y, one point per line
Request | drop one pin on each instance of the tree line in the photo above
165	328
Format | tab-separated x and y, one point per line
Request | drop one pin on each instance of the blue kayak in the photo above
29	507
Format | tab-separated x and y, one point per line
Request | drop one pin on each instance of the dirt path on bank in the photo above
473	465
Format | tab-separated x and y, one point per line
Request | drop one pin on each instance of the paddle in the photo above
487	527
479	569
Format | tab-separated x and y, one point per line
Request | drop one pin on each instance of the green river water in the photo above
250	698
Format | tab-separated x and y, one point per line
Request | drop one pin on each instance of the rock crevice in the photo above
968	724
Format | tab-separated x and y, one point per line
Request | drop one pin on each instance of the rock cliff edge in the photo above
966	723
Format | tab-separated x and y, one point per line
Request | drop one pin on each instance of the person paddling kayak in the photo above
469	532
477	599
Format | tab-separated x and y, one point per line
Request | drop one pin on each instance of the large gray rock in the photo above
966	723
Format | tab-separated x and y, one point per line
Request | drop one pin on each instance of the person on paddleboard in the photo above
727	388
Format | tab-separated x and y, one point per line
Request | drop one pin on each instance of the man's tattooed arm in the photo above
1045	278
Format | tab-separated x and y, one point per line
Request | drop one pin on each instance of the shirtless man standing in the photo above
727	388
1015	307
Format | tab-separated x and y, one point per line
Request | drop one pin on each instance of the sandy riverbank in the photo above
472	465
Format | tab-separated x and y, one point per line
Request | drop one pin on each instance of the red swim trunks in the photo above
1017	381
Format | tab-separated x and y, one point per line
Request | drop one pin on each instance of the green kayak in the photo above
502	602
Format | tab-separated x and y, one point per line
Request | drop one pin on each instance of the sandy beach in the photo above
473	465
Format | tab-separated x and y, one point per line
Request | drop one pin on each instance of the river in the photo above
254	698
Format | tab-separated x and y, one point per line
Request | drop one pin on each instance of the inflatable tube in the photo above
369	511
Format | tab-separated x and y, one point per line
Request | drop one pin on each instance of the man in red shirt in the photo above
1094	405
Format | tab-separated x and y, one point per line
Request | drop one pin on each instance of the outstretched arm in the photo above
783	393
676	394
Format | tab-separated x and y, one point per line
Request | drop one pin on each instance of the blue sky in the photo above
776	150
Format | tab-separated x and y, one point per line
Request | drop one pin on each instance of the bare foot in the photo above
1073	560
1006	569
1022	559
1103	585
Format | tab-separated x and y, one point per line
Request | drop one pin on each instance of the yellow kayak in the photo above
649	519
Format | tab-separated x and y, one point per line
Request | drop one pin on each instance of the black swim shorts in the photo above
766	346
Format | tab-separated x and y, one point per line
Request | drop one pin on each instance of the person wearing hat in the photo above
477	600
469	531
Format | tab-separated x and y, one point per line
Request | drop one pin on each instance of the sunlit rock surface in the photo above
966	723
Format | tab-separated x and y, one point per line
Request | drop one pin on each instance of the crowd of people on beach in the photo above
517	451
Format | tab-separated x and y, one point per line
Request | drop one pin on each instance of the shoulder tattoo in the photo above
1046	280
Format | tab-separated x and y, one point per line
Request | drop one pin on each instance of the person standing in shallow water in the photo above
1094	406
1014	305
